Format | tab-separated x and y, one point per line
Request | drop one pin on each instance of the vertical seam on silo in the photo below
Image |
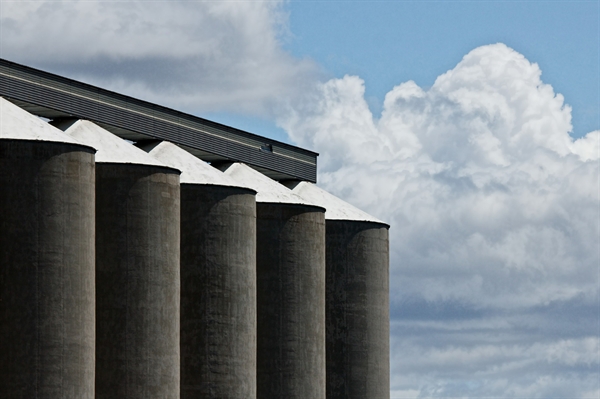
151	270
79	283
280	315
37	293
127	294
63	161
346	342
210	324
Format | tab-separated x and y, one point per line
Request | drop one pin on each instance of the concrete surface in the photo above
46	268
290	274
357	297
137	268
137	282
218	292
218	279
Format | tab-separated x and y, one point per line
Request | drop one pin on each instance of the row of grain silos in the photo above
146	273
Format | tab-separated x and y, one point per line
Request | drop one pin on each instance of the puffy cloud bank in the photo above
194	55
495	224
494	207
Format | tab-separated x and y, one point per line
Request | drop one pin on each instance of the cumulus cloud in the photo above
493	206
494	214
200	56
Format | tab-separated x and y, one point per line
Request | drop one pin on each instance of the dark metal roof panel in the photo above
49	95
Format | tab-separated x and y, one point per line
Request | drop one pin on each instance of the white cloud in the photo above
493	208
205	56
511	371
477	175
587	147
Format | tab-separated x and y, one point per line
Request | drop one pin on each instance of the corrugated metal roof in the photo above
54	96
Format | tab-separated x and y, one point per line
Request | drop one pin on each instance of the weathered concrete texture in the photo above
218	292
137	282
357	310
290	301
46	270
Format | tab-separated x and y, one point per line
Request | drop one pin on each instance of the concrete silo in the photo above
137	269
357	297
290	268
218	279
46	260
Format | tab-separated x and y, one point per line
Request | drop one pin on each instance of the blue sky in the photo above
389	42
445	119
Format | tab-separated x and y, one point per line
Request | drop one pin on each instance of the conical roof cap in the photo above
111	148
267	189
16	123
193	170
335	208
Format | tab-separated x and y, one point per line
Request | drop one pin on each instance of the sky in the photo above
471	127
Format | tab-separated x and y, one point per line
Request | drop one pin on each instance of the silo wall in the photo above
46	270
290	301
357	292
218	292
137	281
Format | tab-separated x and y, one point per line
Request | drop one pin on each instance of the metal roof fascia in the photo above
86	101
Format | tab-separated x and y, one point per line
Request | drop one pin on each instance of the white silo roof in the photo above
193	170
335	208
111	148
267	189
16	123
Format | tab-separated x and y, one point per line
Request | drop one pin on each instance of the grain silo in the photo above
357	297
47	217
218	279
46	260
137	269
290	268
